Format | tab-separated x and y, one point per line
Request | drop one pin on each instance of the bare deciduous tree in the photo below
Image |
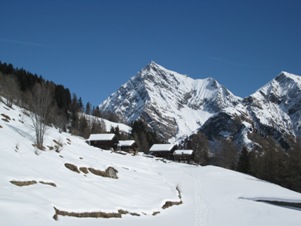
41	100
9	89
97	126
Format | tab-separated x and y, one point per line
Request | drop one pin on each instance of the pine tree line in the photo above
267	160
144	136
19	86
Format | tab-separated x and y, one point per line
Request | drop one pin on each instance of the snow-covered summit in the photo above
278	103
176	106
171	103
284	84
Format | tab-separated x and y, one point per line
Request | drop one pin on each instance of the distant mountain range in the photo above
176	106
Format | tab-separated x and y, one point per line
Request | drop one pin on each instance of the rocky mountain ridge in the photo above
272	111
172	104
176	106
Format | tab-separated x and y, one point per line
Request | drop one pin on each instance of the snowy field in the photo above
203	195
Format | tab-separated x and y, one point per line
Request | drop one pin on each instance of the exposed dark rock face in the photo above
223	125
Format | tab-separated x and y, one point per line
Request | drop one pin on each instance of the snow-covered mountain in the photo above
277	105
64	187
273	110
172	104
176	106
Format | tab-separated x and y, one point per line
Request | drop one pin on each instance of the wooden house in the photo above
128	146
107	141
183	155
163	150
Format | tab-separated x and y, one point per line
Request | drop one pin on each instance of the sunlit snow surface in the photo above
210	195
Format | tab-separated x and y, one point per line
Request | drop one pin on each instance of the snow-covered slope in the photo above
203	195
171	103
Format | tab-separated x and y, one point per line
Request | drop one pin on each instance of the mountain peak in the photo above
168	100
286	75
153	63
155	73
154	66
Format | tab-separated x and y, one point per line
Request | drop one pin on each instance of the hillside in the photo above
200	195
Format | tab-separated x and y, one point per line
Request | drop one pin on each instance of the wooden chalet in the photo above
183	155
128	146
107	141
163	150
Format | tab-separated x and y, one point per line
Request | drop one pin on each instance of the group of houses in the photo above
109	141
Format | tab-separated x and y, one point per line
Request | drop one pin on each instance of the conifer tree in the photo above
199	144
226	154
243	164
9	89
96	112
143	136
88	108
293	167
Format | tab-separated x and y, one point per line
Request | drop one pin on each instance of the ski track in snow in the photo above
201	203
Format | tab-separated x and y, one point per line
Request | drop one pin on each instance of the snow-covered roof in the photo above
126	143
101	137
183	152
162	147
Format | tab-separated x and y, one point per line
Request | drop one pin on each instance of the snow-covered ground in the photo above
210	195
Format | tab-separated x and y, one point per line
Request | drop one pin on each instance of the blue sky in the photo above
93	47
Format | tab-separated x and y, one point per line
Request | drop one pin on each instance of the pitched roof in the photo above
126	143
183	152
162	147
101	137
